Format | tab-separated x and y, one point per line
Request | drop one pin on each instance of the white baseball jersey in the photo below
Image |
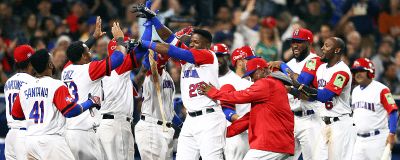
337	79
193	75
43	101
11	90
82	80
371	106
150	104
118	94
297	67
239	84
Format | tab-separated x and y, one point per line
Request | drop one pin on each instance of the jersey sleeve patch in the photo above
311	64
339	80
389	98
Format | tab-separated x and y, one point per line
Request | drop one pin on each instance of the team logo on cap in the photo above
29	55
296	32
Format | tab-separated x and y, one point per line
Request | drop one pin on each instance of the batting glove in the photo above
143	11
96	101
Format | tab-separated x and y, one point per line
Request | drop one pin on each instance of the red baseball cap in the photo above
220	49
253	64
22	53
302	34
245	52
269	22
113	44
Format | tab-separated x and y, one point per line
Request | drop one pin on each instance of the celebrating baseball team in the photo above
313	106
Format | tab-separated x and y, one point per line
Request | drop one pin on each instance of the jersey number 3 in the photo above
37	112
73	90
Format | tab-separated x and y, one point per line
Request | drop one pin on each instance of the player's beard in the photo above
302	55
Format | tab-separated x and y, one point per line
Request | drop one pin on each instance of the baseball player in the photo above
44	103
115	131
307	125
83	77
203	132
333	77
237	146
15	139
153	140
373	105
270	120
239	59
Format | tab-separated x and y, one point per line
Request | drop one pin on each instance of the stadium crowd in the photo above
371	28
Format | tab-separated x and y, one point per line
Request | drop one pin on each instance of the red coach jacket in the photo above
270	121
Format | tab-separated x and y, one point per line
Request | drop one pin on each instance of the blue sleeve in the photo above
146	62
305	78
177	121
228	113
173	52
324	95
181	54
116	59
157	24
283	67
170	38
78	109
140	53
147	32
393	121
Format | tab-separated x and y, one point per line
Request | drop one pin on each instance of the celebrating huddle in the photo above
275	110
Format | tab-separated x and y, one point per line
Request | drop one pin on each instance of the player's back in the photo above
11	90
79	83
37	102
192	76
118	94
339	73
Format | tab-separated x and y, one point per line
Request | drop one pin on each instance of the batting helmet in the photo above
364	64
220	49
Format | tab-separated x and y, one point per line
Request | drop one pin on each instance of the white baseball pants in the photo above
47	147
306	130
236	147
153	142
15	145
84	144
202	135
116	139
370	148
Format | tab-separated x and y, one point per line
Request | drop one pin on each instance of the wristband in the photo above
120	41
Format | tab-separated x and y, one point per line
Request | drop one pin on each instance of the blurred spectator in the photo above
397	61
77	12
8	21
59	60
266	8
99	51
63	42
318	12
44	8
248	26
319	38
362	13
389	77
389	19
353	46
269	44
384	56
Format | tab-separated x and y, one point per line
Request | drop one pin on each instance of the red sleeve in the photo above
68	63
387	100
98	69
202	56
337	82
180	44
63	100
238	126
312	65
128	64
17	112
255	93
